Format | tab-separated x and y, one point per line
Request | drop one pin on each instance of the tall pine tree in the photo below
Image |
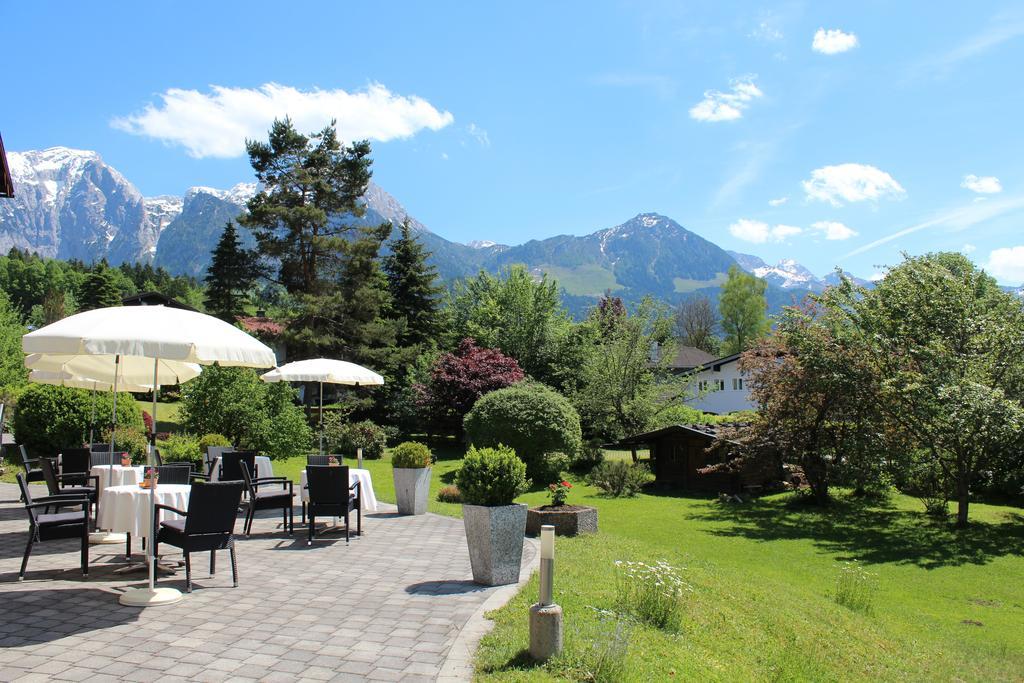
413	286
232	273
99	289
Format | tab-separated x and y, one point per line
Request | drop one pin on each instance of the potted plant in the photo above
568	520
490	479
411	462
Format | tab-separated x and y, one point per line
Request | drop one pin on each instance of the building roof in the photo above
154	299
708	431
724	360
6	184
261	325
689	357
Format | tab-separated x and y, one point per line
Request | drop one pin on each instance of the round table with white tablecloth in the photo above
367	498
118	475
263	468
125	509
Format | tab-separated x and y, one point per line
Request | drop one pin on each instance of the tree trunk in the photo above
817	478
963	495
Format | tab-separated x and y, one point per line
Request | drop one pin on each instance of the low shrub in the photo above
213	440
130	440
411	454
653	594
559	491
346	437
532	419
492	476
449	494
182	447
590	456
855	588
619	478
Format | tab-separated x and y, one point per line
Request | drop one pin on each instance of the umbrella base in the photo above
105	537
146	597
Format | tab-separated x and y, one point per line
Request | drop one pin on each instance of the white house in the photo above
719	387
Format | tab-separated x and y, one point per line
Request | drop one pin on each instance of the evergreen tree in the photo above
230	276
309	181
99	290
412	283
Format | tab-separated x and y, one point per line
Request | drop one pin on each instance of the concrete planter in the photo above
568	520
412	489
495	538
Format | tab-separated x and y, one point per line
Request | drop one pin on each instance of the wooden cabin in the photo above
679	451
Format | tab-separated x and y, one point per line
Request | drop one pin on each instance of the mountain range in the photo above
70	204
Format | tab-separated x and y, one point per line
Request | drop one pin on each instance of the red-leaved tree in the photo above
458	379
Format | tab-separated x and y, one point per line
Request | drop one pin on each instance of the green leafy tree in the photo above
743	309
100	289
513	312
230	276
414	288
309	181
12	366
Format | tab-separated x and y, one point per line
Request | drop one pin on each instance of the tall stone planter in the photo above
412	489
495	537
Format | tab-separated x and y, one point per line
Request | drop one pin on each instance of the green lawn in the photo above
946	606
167	414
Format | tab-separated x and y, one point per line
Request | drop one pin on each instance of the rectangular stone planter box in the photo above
412	489
567	522
495	538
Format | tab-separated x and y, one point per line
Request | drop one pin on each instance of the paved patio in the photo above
388	607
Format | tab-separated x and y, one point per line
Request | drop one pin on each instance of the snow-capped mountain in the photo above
788	274
69	204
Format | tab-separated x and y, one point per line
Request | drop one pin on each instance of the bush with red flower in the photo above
559	491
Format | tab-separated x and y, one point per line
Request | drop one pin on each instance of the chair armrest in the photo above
284	481
69	500
200	475
161	506
59	497
355	486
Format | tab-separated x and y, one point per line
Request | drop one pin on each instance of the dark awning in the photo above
6	184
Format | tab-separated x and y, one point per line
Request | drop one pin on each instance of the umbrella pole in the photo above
321	418
92	420
113	424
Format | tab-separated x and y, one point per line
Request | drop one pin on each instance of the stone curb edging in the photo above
458	665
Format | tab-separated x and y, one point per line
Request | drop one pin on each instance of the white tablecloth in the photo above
369	500
125	509
263	468
119	476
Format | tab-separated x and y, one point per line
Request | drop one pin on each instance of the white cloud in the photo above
767	30
851	183
876	276
444	156
988	184
968	248
479	134
778	202
217	123
833	41
1007	264
834	230
726	106
760	232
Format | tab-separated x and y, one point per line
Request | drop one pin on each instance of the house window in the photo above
719	385
737	384
702	385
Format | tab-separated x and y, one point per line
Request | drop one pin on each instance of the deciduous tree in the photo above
743	309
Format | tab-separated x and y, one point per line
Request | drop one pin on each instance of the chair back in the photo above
214	452
74	461
157	459
175	473
231	465
321	459
99	447
32	512
26	461
212	507
97	458
49	468
327	485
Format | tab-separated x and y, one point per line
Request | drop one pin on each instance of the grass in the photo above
167	414
944	605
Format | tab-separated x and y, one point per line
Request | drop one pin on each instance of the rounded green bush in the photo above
533	420
49	418
130	440
346	437
213	440
411	455
181	447
491	476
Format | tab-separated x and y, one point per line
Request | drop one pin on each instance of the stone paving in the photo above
388	607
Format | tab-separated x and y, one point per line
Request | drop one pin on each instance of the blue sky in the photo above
832	133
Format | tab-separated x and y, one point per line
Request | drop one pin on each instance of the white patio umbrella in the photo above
324	370
156	333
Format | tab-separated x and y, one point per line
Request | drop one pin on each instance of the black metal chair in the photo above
45	526
321	459
211	455
272	499
55	484
231	464
33	472
208	525
174	473
74	465
331	496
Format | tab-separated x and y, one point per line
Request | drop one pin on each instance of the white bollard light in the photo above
546	616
